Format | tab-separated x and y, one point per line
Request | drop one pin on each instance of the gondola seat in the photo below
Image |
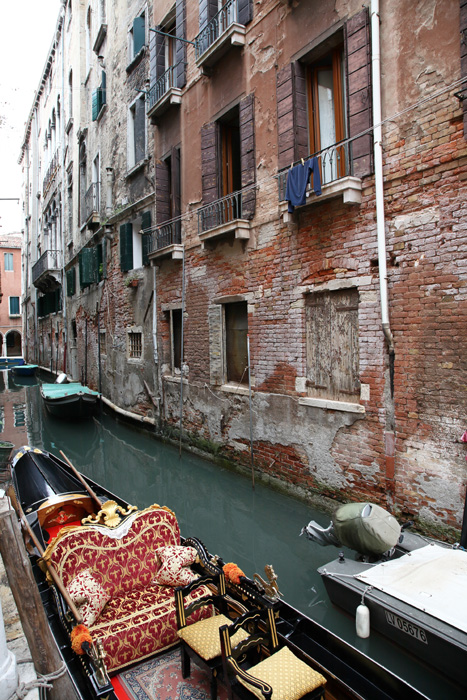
138	617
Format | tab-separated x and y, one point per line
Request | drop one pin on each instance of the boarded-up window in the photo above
332	345
236	330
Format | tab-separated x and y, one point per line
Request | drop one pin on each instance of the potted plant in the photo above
132	280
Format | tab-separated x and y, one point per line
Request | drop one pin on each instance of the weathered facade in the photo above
324	344
11	327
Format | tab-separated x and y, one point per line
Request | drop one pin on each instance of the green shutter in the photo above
87	267
103	89
139	34
71	282
126	247
146	224
95	104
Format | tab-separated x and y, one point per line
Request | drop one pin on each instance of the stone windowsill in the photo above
332	405
348	188
235	389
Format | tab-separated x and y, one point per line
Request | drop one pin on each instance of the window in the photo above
136	132
236	331
99	98
332	345
326	125
137	36
8	258
14	306
134	245
325	97
175	340
103	342
228	165
71	282
168	197
135	345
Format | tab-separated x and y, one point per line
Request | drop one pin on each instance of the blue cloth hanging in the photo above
298	178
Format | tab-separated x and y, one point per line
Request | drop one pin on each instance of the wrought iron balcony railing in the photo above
161	87
48	262
226	16
163	236
220	212
91	202
334	164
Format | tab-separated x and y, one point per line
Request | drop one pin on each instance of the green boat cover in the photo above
58	391
366	527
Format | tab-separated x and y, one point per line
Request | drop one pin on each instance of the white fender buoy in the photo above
362	621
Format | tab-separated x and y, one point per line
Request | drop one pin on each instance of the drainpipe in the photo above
378	156
389	436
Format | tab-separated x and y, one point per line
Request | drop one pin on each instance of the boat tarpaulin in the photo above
432	579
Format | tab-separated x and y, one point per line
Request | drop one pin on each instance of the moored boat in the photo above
71	400
403	585
50	495
24	370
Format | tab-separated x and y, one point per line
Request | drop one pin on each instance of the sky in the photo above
26	32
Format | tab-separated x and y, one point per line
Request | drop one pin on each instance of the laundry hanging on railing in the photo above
298	178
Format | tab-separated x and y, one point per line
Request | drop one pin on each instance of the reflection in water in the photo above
249	527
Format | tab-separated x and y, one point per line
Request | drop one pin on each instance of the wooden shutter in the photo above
95	104
139	34
103	99
158	63
126	247
87	267
209	163
207	10
153	43
175	184
216	351
71	282
358	74
180	47
463	31
162	192
245	11
291	114
146	242
332	345
247	154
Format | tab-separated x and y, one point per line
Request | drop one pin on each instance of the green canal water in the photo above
251	527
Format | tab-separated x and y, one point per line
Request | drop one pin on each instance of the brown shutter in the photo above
180	49
159	58
162	192
209	169
358	73
247	154
291	114
463	31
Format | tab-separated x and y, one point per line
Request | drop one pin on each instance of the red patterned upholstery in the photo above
140	617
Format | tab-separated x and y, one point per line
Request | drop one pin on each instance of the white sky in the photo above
26	32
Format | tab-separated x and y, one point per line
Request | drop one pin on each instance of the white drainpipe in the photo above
378	156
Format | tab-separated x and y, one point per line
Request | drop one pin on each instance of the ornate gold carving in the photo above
270	587
98	655
110	515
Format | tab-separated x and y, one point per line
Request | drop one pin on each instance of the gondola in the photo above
412	587
24	370
54	503
69	401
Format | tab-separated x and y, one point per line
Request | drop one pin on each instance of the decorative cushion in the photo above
88	596
289	677
203	637
174	559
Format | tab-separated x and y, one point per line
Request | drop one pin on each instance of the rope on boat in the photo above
41	682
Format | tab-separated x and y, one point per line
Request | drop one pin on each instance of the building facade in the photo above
315	332
11	327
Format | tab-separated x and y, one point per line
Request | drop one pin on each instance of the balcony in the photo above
166	241
163	94
222	217
46	271
90	210
336	180
218	36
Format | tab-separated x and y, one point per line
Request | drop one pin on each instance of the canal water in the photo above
251	527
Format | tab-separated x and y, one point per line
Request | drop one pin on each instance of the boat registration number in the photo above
406	626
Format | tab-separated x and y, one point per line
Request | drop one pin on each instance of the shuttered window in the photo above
126	247
136	132
332	345
14	306
99	97
87	267
228	156
138	34
344	73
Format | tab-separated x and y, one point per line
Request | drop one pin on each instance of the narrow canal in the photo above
251	527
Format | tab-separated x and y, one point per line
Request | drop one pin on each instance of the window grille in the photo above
135	345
